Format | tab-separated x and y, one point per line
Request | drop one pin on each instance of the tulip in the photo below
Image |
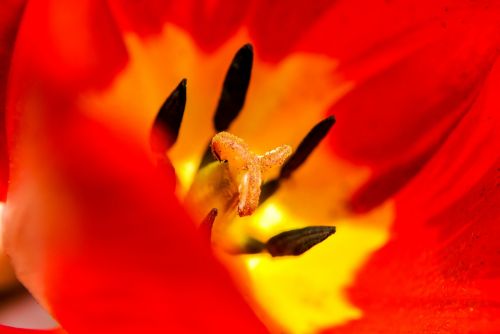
107	241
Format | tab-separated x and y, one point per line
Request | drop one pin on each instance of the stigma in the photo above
246	168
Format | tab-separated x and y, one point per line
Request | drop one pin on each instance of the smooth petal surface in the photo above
70	54
93	229
99	239
411	93
224	17
439	273
10	16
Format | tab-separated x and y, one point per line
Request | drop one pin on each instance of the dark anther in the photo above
207	224
308	144
168	121
234	89
296	242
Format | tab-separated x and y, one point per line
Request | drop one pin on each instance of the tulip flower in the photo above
107	179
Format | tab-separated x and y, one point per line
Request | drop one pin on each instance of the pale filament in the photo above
246	167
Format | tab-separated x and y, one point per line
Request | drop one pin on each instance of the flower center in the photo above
232	183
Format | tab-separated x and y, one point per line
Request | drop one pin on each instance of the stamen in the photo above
168	121
232	98
207	224
246	167
289	243
296	242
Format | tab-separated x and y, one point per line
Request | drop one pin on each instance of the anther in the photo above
168	121
296	242
289	243
234	89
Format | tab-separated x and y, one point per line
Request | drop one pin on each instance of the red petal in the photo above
277	26
10	16
440	272
210	23
112	250
410	93
77	44
71	54
104	244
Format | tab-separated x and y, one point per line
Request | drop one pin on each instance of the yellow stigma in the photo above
246	167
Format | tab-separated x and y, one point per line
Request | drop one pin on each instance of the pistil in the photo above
246	167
